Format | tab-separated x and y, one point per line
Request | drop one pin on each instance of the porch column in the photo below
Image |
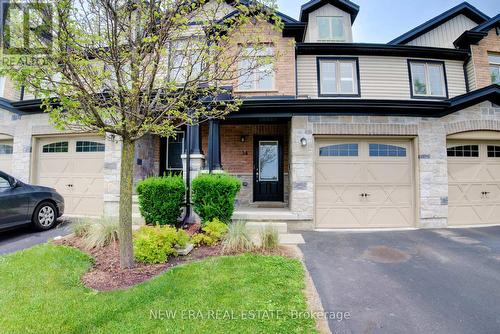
214	157
195	139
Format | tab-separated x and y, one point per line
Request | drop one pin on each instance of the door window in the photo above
340	150
493	151
268	161
468	151
384	150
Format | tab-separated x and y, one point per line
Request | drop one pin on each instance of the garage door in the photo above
474	183
6	156
73	166
364	184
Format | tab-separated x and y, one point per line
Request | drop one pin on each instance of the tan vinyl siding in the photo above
444	35
327	10
380	77
471	75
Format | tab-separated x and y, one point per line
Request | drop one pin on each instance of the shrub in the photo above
97	233
161	198
214	231
214	196
237	239
269	238
154	244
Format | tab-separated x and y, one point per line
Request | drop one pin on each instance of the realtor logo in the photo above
26	28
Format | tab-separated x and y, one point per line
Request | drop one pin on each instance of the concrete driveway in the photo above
25	237
425	281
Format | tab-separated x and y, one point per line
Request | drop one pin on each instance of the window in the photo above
494	59
257	70
60	147
428	79
338	77
4	183
341	150
186	60
383	150
5	149
89	146
331	28
469	151
175	149
493	151
268	161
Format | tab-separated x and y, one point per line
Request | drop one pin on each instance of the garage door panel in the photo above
338	173
474	188
78	176
369	190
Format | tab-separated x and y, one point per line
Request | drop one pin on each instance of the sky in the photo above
380	21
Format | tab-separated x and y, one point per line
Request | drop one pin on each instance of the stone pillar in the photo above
21	151
433	174
112	163
214	156
301	168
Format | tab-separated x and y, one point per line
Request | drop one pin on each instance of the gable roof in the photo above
344	5
464	8
475	35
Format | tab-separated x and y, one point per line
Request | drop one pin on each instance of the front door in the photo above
268	169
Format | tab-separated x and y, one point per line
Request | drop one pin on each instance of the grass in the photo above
41	292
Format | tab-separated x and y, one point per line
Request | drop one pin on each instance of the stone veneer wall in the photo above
432	180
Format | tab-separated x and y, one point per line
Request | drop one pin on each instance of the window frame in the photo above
331	39
256	72
387	146
48	145
492	64
338	146
9	149
426	63
167	142
463	146
356	76
91	142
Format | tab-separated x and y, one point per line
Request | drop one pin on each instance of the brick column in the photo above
433	174
301	168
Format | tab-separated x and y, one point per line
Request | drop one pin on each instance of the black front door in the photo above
268	169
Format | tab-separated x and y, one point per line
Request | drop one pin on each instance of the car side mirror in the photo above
15	183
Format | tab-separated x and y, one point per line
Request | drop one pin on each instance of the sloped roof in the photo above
462	9
344	5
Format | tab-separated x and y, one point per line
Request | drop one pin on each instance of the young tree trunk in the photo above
125	215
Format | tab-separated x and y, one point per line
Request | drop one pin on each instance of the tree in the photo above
135	67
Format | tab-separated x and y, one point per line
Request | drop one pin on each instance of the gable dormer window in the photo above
331	29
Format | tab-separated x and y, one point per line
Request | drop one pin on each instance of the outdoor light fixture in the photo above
303	142
243	138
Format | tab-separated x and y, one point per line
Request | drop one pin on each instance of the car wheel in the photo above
45	216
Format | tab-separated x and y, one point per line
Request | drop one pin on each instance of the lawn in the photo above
41	292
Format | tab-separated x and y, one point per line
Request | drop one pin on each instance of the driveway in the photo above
25	237
425	281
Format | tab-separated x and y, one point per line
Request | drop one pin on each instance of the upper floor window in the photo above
494	59
427	79
256	69
331	28
186	60
338	77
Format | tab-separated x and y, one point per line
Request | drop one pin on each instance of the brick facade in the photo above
490	43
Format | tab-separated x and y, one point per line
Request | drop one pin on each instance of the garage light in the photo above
303	142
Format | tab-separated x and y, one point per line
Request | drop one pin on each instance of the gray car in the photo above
22	204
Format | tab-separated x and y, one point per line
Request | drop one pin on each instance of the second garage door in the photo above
74	167
474	183
6	156
364	184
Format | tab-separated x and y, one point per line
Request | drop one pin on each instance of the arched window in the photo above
59	147
5	149
340	150
89	146
469	151
384	150
493	151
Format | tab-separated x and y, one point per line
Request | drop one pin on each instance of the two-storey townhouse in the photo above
342	135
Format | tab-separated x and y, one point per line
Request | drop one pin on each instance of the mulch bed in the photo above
106	273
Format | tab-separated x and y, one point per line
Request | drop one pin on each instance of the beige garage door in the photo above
364	184
74	166
6	156
474	183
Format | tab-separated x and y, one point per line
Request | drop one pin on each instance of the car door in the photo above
14	203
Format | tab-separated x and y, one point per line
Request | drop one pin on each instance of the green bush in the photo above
214	231
161	198
154	244
214	196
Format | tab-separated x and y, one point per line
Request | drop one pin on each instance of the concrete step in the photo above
256	227
291	239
